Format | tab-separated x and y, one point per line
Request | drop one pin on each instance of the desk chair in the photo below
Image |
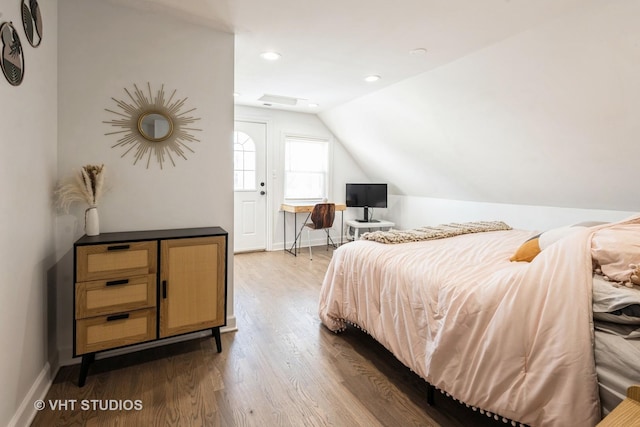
322	217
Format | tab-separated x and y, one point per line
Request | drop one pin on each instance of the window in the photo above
306	168
244	162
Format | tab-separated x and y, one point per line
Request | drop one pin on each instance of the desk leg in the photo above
298	236
293	250
294	246
284	229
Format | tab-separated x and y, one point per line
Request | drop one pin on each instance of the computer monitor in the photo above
366	196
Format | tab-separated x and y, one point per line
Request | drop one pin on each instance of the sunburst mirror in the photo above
152	126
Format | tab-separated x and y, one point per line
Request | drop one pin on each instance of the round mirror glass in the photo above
155	126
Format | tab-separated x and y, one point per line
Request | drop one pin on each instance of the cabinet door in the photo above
192	284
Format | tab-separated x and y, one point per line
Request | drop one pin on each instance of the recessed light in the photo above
270	56
313	105
418	51
278	99
372	78
236	94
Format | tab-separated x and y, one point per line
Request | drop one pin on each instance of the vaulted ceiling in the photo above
329	46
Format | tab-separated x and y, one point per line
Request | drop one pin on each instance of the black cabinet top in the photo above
132	236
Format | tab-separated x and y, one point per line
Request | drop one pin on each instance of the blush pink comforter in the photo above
512	338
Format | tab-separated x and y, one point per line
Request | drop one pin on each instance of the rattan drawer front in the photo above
105	332
115	296
97	262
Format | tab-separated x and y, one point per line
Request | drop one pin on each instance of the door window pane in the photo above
238	179
244	162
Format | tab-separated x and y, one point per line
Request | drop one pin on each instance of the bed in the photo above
514	339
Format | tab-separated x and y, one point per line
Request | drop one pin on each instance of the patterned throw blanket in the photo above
437	232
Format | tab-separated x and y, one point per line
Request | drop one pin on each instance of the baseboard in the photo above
232	326
26	411
279	246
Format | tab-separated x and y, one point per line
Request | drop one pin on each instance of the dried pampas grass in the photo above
86	186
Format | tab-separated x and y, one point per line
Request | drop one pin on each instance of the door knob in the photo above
262	184
262	193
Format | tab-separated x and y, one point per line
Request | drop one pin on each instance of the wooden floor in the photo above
281	368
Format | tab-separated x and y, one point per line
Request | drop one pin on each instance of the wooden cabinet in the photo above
122	298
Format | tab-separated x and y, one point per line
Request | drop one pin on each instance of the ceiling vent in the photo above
276	99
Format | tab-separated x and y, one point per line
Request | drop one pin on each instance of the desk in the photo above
295	209
356	226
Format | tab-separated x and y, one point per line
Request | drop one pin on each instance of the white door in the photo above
250	186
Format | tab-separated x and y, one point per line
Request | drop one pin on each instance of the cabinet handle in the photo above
118	247
117	282
117	317
164	289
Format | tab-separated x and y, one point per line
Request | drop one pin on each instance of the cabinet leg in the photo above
87	359
216	335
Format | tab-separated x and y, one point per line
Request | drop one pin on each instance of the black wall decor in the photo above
32	21
12	59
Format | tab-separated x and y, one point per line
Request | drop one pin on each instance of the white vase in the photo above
91	221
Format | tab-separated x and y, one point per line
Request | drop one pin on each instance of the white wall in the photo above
411	212
27	257
344	168
547	117
103	49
